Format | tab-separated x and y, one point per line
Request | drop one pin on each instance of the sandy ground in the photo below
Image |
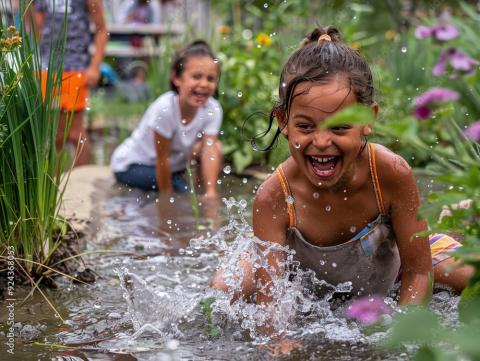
87	189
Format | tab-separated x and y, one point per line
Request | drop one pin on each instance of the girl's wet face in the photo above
327	157
197	82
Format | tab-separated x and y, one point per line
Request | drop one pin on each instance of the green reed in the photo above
31	170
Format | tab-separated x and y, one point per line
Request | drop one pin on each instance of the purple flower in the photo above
426	102
445	32
368	310
460	62
423	32
439	32
473	131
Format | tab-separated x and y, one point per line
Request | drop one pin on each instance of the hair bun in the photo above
331	31
199	43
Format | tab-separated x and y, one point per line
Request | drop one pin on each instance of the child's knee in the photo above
453	274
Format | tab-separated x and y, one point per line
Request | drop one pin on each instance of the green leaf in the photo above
426	328
356	114
242	158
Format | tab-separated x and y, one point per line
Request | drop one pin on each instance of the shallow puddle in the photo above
146	303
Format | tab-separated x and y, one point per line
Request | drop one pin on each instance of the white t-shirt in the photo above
163	116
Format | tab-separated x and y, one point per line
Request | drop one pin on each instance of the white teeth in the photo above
323	159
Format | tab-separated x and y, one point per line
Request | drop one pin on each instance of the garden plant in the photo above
32	177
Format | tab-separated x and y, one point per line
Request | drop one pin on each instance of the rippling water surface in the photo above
152	301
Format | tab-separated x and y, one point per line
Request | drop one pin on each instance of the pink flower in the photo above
460	62
426	102
368	310
473	131
439	32
423	32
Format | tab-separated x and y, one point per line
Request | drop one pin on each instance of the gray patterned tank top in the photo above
370	260
77	56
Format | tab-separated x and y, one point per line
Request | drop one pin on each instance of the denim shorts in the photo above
143	176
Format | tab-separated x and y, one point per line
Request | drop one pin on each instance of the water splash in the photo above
303	305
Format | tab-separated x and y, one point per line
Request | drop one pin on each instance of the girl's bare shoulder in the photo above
390	165
270	192
395	175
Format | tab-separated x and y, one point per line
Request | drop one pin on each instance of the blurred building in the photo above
192	14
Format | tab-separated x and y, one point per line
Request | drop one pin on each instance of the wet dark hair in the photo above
320	61
194	49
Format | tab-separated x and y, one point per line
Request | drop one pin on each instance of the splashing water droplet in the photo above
172	200
239	94
353	229
265	5
289	199
209	142
403	49
328	208
297	145
227	169
244	180
316	195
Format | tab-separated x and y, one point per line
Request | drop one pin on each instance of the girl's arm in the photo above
211	163
269	219
416	259
38	19
162	169
270	223
95	10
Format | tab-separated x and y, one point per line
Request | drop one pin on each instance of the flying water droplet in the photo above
227	169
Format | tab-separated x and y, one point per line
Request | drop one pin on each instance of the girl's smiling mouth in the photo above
325	166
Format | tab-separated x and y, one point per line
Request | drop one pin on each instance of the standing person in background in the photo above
180	125
81	69
140	12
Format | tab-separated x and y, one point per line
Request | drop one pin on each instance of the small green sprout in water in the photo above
195	208
206	307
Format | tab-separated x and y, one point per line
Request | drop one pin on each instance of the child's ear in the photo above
367	129
375	108
282	124
174	78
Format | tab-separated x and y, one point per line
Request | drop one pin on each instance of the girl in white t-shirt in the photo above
180	125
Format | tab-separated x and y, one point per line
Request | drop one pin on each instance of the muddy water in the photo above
155	313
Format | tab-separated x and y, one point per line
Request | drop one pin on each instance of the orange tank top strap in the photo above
376	183
288	196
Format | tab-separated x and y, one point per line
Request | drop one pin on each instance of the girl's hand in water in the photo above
211	209
283	346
